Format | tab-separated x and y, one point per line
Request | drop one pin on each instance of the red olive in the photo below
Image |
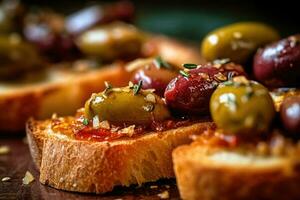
290	114
191	95
155	74
278	65
89	17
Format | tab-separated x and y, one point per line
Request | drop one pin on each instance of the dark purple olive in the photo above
155	74
46	32
190	92
278	65
89	17
290	114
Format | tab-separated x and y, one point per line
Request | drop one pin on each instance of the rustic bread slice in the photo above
209	172
89	166
64	91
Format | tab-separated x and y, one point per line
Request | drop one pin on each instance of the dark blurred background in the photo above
192	19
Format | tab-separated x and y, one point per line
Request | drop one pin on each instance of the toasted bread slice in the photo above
63	91
97	167
212	172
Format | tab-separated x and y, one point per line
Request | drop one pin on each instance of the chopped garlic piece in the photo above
4	150
150	98
4	179
241	79
96	122
164	195
28	178
54	116
129	130
104	124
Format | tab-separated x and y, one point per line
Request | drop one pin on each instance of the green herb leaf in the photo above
160	63
137	87
85	121
230	75
184	73
108	87
148	107
228	83
189	66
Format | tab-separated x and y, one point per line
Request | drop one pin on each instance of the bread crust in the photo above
97	167
198	177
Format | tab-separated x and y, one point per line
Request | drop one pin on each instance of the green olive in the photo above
117	40
237	41
242	107
17	56
122	105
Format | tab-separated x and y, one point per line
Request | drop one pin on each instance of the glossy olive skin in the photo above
191	95
98	14
278	65
279	94
17	56
290	114
237	41
242	108
107	42
153	75
122	106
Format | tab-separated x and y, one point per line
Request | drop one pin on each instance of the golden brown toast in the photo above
270	170
98	166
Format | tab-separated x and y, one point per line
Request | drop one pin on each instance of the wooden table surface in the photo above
15	164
